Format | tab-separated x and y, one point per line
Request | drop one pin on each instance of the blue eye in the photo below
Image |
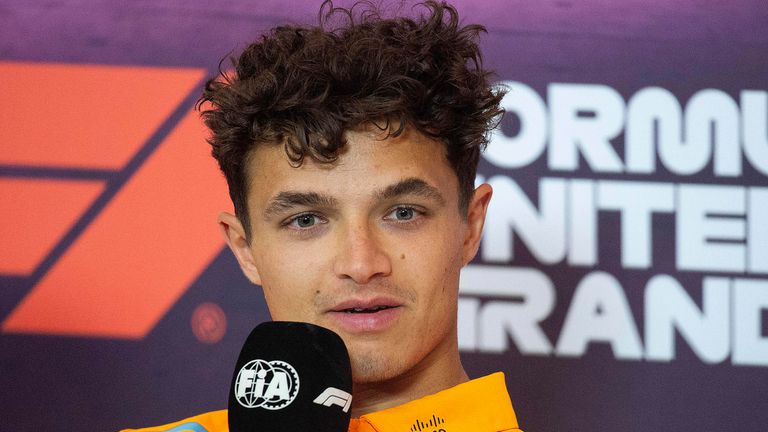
305	220
403	213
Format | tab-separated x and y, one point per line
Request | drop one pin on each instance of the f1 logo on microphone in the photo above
334	396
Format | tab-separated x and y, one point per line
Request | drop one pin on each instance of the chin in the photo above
374	367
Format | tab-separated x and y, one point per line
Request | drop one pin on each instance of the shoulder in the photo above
214	421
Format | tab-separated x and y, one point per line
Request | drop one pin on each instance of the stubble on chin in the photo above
370	367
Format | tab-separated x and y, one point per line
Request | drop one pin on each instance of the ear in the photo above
476	210
234	235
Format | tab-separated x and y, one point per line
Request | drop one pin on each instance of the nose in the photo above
360	255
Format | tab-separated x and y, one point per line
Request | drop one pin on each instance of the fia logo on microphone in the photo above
267	384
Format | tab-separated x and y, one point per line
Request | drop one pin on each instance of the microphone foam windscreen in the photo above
291	376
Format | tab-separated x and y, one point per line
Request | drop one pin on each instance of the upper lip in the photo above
362	303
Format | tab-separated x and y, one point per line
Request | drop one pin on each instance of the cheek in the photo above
282	262
434	267
440	252
290	281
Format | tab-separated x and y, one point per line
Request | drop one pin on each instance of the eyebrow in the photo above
411	186
288	200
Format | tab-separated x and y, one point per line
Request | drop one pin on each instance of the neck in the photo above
440	370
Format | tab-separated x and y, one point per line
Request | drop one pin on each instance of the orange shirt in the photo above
479	405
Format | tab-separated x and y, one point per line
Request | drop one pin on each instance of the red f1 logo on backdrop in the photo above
109	196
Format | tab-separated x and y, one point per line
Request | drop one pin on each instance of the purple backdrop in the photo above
68	383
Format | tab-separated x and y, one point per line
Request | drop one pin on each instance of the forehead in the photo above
368	161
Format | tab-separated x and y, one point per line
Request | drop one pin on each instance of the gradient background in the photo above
120	308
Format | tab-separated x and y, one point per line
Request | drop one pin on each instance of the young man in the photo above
350	153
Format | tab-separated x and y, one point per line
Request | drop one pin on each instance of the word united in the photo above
695	192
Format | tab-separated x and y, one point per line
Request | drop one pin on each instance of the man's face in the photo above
370	247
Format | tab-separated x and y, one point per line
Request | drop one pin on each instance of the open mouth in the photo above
360	316
365	310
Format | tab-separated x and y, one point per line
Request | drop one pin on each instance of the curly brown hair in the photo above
303	87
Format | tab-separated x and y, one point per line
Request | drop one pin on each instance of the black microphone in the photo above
291	377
